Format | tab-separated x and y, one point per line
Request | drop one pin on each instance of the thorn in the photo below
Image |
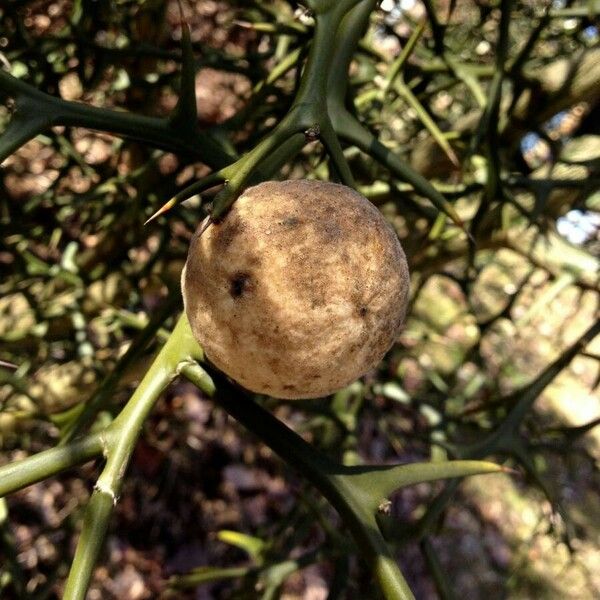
313	133
163	209
199	186
105	489
204	225
4	61
453	157
447	208
8	365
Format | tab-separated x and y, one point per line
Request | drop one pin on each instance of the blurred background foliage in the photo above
505	125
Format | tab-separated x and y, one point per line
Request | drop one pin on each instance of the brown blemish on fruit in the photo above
291	221
240	283
226	232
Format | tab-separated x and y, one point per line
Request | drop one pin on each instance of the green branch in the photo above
37	112
308	114
357	493
349	129
106	390
123	434
18	475
505	439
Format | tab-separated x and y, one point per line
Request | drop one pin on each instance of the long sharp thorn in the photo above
163	209
205	224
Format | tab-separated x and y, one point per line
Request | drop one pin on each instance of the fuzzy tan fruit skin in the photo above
300	290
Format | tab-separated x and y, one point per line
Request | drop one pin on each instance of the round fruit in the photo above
298	291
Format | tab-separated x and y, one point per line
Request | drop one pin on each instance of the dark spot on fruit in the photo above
291	221
228	230
254	260
240	283
363	311
331	232
289	386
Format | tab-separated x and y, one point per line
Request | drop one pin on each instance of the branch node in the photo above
385	507
105	445
188	362
103	488
312	133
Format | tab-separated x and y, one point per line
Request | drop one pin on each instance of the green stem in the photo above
45	110
489	125
24	126
313	87
106	390
124	432
427	121
330	478
17	475
95	523
238	174
336	153
126	428
351	130
348	36
529	394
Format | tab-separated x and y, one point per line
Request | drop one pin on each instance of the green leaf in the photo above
253	546
205	575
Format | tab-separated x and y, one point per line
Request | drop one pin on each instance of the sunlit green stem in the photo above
308	114
106	390
123	435
396	67
19	474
